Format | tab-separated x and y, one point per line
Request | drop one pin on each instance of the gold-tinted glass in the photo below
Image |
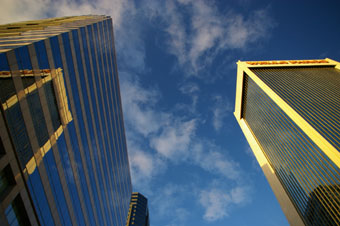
313	92
309	177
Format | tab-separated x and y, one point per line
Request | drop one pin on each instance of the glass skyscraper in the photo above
139	211
63	154
289	112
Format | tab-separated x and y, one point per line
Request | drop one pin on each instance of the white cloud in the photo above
144	166
170	196
189	88
217	202
138	104
21	10
192	90
210	158
221	109
196	42
174	141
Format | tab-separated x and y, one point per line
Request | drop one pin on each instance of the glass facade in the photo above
310	178
62	112
313	92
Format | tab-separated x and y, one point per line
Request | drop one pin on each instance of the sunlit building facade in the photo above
63	154
138	211
289	112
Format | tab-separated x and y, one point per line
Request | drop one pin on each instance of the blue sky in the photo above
177	67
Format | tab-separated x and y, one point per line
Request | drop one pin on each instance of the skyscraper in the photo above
138	211
63	155
289	112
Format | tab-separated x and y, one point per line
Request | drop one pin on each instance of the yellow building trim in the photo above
332	153
239	89
288	63
46	75
34	162
24	73
286	205
14	44
20	40
337	64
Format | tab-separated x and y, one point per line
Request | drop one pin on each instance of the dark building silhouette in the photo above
138	211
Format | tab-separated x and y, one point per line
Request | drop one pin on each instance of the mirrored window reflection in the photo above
7	88
313	92
71	126
38	118
88	121
91	98
99	114
16	214
309	177
25	66
17	128
62	148
7	181
52	104
66	163
40	50
39	198
13	114
53	176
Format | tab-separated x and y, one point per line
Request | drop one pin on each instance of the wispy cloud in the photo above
144	166
221	108
174	140
196	42
192	90
19	10
209	156
138	105
217	202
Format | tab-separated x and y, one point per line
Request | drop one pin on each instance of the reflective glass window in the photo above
17	128
24	63
303	169
103	80
56	188
7	88
16	213
38	118
311	91
7	181
40	50
38	195
93	42
13	114
78	114
68	172
88	121
52	104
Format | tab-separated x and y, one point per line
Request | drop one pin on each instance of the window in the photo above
16	213
6	181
